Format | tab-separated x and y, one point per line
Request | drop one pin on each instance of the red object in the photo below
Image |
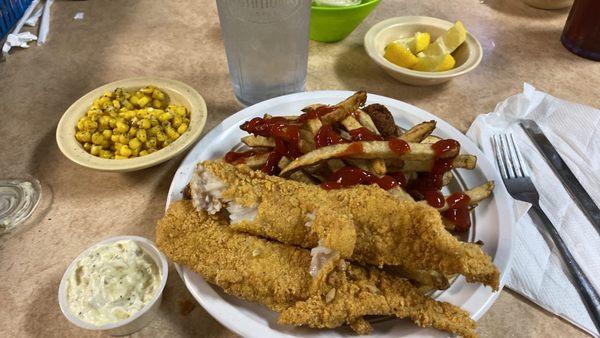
364	134
234	157
581	34
434	198
350	176
458	211
400	178
446	148
327	136
398	146
352	149
316	113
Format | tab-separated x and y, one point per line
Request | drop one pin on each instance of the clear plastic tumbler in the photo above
266	42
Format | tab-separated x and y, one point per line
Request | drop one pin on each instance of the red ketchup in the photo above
458	211
286	134
235	157
427	185
398	146
327	136
316	113
364	134
350	176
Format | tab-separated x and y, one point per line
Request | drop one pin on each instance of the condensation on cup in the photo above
266	42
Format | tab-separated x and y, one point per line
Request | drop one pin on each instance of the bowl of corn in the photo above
131	124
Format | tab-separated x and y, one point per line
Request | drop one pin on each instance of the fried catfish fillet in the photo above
388	231
276	275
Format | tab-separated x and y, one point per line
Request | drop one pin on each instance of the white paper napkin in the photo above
574	129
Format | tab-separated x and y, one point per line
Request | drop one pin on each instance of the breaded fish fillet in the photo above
276	275
388	231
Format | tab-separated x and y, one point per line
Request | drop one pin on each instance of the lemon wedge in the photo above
417	42
400	55
434	63
448	42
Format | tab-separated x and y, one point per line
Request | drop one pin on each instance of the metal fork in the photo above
518	183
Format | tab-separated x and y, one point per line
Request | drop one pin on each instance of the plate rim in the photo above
506	233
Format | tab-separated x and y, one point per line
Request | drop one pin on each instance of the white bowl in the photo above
140	318
178	93
467	56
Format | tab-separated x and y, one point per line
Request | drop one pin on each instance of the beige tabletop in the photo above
182	40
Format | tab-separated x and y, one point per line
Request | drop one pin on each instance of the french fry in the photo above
367	122
301	176
345	108
476	194
460	161
351	123
447	178
431	139
256	161
258	141
364	150
418	132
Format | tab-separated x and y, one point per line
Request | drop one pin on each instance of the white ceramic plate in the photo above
490	223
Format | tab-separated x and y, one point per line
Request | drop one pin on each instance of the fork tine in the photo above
507	156
499	156
512	155
520	162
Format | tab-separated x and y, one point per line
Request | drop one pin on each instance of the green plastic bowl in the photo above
330	24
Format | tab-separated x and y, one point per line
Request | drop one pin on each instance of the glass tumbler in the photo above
581	34
266	42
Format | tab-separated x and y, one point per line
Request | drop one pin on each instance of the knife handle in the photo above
584	286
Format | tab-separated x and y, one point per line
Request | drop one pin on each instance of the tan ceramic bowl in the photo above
178	93
467	56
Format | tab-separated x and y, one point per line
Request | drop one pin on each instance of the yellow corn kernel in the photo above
171	133
105	144
95	150
114	137
161	136
135	143
116	104
112	122
135	152
117	146
125	151
80	125
141	113
176	122
128	105
122	127
166	143
124	139
143	153
142	135
185	120
132	131
134	99
104	121
156	104
143	101
90	125
104	99
97	138
158	94
107	134
106	153
119	157
151	150
151	143
147	89
83	136
87	146
154	130
164	117
182	128
144	124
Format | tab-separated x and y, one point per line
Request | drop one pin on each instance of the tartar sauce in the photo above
112	282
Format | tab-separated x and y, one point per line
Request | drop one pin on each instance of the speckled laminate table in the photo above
181	40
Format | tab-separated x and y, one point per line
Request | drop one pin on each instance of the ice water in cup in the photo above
266	42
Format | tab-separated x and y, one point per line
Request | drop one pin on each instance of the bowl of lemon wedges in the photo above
422	51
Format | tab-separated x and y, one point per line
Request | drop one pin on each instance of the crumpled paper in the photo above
574	129
18	40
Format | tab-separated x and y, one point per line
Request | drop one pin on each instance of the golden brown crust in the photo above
276	275
388	231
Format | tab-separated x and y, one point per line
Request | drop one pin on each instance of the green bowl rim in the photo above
341	8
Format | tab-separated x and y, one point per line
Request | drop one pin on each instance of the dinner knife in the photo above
566	176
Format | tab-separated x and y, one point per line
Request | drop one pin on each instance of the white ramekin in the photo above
139	319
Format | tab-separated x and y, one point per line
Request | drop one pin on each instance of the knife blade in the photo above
565	175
